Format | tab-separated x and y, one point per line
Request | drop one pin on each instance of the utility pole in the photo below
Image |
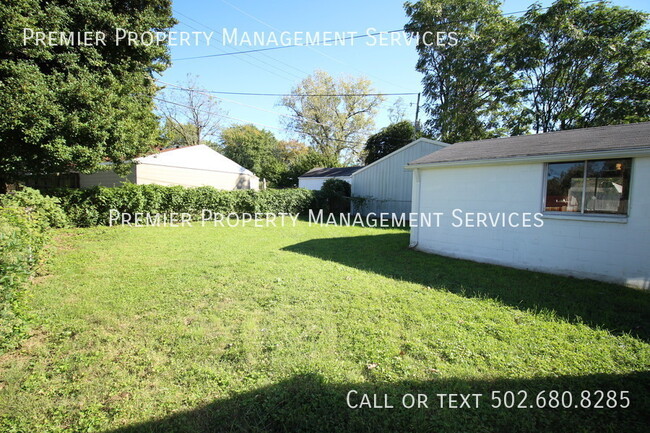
417	114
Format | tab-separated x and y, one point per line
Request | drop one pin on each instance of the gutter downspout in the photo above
415	208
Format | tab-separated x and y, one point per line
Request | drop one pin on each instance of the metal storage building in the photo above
386	184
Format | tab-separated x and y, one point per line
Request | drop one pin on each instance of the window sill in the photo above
618	219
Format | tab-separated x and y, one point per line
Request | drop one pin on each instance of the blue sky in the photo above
390	68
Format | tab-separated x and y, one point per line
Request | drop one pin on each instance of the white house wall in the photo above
386	185
608	251
315	183
163	175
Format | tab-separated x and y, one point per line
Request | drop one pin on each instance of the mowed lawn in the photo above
268	329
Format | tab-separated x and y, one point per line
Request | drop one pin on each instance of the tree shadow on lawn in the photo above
307	403
612	307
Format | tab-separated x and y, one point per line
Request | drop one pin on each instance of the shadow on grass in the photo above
615	308
307	403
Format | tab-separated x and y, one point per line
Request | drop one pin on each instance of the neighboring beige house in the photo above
186	166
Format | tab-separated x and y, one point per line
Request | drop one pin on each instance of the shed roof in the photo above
575	141
331	172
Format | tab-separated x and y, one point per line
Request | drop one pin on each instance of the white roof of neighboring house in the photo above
199	157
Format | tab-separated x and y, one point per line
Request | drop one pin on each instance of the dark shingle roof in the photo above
602	138
330	172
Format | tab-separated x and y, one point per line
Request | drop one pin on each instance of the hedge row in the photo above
25	219
90	207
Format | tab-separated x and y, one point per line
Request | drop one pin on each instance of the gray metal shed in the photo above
385	184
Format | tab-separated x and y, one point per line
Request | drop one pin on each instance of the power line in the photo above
219	92
252	58
328	56
258	50
276	29
215	113
237	50
352	37
205	93
216	92
280	47
301	119
246	121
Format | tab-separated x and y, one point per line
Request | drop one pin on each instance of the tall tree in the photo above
568	66
255	149
466	86
397	111
303	163
583	65
170	136
389	139
335	115
192	113
290	150
74	106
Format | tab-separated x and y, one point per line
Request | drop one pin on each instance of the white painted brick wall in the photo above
617	252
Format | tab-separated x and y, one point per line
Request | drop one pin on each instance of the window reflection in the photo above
604	188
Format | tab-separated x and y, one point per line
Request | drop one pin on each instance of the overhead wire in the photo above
262	50
351	37
239	51
249	122
205	93
311	47
246	60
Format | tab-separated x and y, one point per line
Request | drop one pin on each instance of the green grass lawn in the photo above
250	329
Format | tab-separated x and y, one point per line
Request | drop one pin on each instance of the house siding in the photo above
188	166
386	185
145	174
315	183
163	175
610	251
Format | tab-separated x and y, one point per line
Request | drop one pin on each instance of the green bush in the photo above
90	207
45	209
334	196
23	233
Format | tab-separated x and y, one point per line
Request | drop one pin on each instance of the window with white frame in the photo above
588	187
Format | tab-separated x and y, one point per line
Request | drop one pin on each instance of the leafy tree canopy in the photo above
569	66
389	139
305	162
465	85
581	65
335	115
173	135
75	106
290	150
253	148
